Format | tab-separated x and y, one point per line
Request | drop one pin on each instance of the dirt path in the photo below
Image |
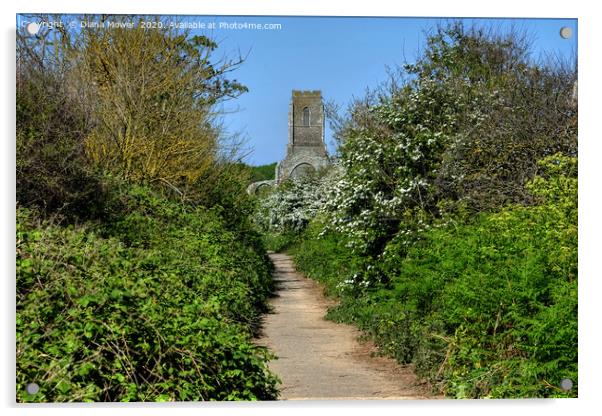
319	359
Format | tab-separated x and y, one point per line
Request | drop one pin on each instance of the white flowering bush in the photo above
463	131
289	207
389	165
423	232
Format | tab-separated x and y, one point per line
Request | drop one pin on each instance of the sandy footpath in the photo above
319	359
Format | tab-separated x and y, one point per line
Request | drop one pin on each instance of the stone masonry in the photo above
306	150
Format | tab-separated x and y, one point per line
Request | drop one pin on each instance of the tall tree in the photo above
154	92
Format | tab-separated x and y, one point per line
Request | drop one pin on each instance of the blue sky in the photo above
342	56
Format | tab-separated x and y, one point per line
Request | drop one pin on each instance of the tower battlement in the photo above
307	93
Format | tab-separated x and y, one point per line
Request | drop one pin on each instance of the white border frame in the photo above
590	141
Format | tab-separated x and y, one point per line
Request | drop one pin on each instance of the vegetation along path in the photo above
319	359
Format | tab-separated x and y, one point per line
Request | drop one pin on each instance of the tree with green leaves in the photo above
461	128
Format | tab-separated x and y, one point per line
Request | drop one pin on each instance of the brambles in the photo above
158	304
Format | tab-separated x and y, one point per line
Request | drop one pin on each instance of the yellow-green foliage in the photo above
153	92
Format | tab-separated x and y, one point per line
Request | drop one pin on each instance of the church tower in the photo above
306	150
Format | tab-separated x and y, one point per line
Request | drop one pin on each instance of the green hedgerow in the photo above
160	305
484	307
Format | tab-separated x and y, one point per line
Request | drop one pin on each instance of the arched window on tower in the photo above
306	116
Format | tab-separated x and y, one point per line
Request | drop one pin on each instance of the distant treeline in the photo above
263	172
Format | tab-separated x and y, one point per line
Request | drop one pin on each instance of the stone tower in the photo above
306	150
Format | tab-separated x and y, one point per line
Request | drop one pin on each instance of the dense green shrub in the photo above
159	303
278	242
483	308
140	218
326	258
51	171
225	190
